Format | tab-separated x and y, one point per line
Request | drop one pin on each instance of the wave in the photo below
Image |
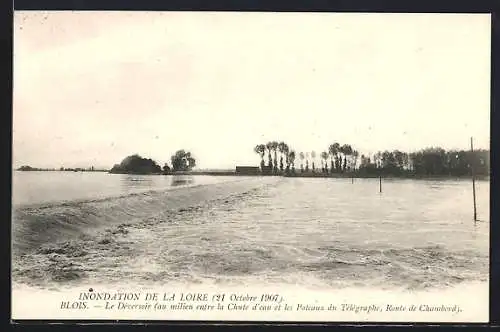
48	223
101	256
218	232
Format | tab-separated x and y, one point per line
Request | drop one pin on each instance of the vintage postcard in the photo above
241	166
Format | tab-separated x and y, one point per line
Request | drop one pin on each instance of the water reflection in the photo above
131	183
181	180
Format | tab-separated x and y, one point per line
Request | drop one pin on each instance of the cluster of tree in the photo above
181	161
344	159
26	168
286	160
427	162
135	164
338	159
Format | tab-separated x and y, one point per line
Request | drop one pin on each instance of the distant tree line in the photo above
343	158
29	168
61	169
339	158
427	162
181	161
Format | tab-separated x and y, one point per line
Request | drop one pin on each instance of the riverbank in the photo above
386	176
296	175
337	175
60	170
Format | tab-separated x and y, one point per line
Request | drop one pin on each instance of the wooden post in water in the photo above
380	183
473	179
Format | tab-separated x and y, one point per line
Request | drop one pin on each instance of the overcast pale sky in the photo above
93	87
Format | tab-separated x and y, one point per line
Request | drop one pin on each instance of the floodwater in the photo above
72	229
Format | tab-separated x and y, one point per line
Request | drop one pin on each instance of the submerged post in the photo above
473	179
380	183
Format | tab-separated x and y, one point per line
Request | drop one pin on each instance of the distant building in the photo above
267	170
247	170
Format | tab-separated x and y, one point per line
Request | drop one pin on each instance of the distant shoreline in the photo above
296	175
321	175
342	175
59	170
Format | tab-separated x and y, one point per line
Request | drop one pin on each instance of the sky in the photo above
91	88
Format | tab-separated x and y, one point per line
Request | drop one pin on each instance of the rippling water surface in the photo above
45	187
150	231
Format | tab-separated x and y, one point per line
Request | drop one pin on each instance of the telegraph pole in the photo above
380	179
473	179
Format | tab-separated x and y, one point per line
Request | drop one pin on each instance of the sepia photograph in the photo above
244	166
